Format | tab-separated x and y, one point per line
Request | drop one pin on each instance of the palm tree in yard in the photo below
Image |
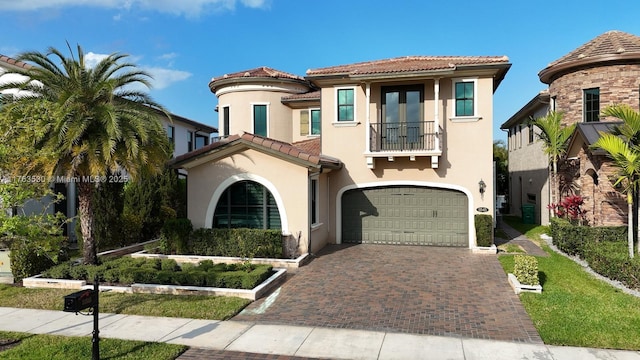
555	139
623	147
100	123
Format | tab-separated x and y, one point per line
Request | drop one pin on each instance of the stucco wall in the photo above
528	170
467	147
240	105
287	182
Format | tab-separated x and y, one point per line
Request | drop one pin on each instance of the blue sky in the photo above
186	43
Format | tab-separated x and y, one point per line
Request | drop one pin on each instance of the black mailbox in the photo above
78	301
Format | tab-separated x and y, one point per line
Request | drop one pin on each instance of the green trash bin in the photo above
528	214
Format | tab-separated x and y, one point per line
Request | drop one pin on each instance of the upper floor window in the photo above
260	120
225	121
530	133
201	141
346	104
310	122
189	141
315	121
465	97
591	104
171	133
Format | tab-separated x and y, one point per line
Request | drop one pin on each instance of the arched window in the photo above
247	204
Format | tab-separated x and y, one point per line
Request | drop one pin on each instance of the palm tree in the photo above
100	123
555	139
623	147
626	158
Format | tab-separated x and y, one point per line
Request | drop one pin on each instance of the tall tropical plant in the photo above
623	147
555	139
99	123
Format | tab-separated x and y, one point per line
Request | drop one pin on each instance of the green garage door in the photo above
406	215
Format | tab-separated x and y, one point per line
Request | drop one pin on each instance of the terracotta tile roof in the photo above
13	62
612	46
260	72
306	152
311	146
312	95
407	64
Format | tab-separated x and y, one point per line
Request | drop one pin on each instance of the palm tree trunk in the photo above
85	207
630	222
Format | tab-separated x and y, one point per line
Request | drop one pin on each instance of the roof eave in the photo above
541	99
552	72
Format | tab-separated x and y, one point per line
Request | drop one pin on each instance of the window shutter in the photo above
304	122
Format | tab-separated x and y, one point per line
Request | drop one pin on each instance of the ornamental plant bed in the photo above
164	276
127	271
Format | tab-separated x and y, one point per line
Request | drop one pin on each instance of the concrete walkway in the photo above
238	340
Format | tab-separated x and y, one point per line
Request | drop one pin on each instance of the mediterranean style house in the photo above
394	151
602	72
185	134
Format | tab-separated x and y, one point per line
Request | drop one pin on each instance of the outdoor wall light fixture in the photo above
482	186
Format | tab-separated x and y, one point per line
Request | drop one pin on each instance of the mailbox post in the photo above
82	300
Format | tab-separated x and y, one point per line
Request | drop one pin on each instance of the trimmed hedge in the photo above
603	248
525	269
611	259
246	243
174	236
127	271
571	239
484	229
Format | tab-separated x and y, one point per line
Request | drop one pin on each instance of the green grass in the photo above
188	306
576	309
59	347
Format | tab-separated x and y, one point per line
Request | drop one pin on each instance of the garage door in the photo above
405	215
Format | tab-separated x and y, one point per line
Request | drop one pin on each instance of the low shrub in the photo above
611	259
525	269
572	239
128	270
28	259
484	230
246	243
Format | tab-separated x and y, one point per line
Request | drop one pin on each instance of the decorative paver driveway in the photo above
409	289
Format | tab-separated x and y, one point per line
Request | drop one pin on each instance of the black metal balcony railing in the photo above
404	136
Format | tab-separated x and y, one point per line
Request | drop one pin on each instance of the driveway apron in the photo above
407	289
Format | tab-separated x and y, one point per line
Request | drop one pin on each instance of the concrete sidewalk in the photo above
295	341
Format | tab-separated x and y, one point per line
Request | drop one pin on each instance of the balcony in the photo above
414	136
408	139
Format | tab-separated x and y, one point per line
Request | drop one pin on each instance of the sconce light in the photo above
482	186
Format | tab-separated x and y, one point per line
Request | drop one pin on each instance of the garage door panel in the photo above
405	215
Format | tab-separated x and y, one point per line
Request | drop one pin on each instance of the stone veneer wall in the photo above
604	204
618	84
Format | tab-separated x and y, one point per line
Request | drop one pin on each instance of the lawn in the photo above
63	348
575	308
187	306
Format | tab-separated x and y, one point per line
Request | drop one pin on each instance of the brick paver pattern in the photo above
407	289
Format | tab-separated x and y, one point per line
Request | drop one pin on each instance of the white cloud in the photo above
185	7
163	78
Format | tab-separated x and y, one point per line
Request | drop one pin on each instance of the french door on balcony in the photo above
402	118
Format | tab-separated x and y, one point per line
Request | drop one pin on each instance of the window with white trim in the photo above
345	104
260	119
465	98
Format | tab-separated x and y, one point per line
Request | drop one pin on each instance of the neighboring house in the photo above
395	151
602	72
185	134
528	164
